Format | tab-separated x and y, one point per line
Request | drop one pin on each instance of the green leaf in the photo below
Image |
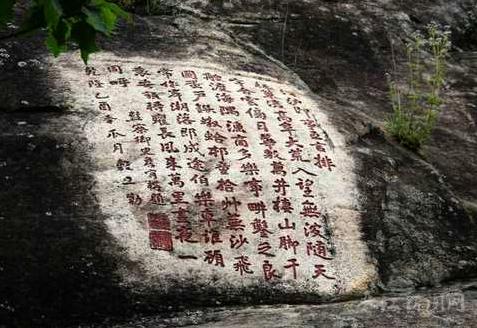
117	10
6	11
53	12
63	31
85	36
103	16
54	46
109	18
95	20
57	40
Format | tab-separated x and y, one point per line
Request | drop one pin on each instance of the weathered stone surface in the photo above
64	258
341	49
453	306
211	176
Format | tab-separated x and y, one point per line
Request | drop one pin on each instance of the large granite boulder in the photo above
193	164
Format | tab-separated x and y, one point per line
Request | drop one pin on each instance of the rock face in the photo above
228	153
445	307
207	176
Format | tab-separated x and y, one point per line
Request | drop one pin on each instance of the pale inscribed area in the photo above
232	178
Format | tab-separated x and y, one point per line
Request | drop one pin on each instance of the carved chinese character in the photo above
118	147
184	118
191	133
89	70
234	222
200	179
226	185
212	237
207	217
134	116
240	140
287	225
115	69
189	75
154	106
154	185
216	137
292	264
212	77
231	203
318	248
218	152
151	95
166	72
122	82
193	84
145	83
214	257
237	241
204	198
196	164
282	204
305	186
165	133
95	84
242	265
140	128
157	199
134	199
176	180
288	243
109	119
171	163
312	230
264	248
142	139
235	126
223	167
323	162
103	105
278	168
209	122
260	227
257	208
178	106
254	186
280	186
269	272
249	169
168	147
320	271
159	119
140	71
310	209
123	165
228	110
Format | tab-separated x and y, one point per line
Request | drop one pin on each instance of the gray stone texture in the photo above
58	264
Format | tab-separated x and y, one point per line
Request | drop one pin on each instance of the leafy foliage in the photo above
67	21
416	105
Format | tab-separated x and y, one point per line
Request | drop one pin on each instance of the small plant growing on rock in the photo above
416	104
